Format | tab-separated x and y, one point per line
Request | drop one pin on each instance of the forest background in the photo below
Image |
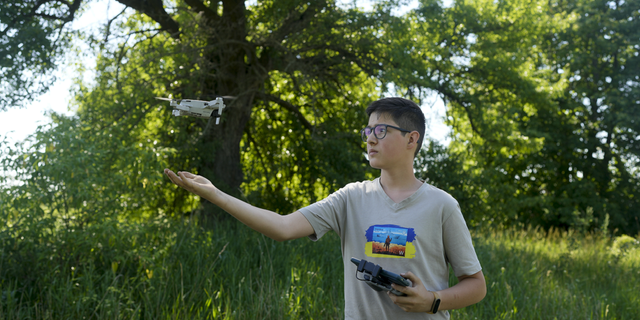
542	97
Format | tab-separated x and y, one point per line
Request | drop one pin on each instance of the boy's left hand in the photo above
417	299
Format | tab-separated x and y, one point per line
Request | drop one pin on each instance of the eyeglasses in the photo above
379	131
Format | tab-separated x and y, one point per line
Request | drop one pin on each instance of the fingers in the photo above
168	172
179	179
172	176
188	174
392	296
415	281
182	175
403	289
401	301
417	296
186	180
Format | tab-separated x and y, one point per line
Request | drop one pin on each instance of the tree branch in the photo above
107	31
295	21
289	106
199	6
73	8
464	104
154	9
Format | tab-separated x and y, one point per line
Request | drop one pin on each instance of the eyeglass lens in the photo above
379	131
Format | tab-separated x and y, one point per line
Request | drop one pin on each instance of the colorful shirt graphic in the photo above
390	241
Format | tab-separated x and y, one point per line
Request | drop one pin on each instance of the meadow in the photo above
168	269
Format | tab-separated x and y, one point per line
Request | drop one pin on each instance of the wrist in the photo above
217	197
436	303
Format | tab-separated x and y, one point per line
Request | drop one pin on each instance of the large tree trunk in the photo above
231	75
220	147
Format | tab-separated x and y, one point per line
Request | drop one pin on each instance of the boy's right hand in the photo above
195	184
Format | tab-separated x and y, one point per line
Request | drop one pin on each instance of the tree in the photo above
300	74
594	145
543	99
482	59
32	39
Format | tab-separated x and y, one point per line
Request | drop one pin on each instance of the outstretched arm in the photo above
469	290
269	223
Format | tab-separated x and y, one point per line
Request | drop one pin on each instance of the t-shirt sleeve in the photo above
457	241
326	214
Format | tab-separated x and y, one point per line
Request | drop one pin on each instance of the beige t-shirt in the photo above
427	232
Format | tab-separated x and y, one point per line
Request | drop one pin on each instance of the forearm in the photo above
269	223
469	290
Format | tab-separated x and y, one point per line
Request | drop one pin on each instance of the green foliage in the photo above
597	149
301	141
532	274
289	134
543	101
73	169
485	60
436	165
288	165
33	38
53	267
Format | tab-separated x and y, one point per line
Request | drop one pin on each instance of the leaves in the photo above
33	37
542	97
543	101
300	91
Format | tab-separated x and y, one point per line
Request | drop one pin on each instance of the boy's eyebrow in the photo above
369	125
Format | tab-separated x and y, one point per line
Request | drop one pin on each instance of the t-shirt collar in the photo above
397	206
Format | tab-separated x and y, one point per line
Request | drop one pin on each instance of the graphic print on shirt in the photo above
390	241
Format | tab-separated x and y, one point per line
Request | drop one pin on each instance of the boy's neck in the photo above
399	185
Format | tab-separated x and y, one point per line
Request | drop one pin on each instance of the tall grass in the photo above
532	274
166	269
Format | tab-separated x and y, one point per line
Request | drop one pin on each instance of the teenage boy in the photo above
427	230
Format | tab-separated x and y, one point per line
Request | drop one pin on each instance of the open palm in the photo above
195	184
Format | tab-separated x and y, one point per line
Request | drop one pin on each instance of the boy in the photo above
424	224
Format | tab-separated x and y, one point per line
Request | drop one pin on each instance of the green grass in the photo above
165	269
556	275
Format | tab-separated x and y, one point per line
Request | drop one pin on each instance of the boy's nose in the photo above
372	138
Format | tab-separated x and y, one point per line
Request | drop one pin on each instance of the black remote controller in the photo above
379	279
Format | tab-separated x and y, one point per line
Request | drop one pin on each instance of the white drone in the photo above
197	108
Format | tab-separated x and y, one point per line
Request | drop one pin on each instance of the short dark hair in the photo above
404	112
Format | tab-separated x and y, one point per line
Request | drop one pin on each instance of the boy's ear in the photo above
414	136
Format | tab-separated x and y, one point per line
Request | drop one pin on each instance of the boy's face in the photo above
389	151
